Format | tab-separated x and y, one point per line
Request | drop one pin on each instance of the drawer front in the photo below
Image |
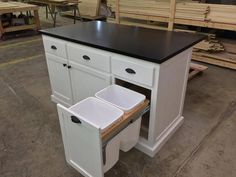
133	71
89	56
55	46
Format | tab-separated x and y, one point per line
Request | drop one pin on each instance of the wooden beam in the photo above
172	15
20	27
215	61
118	11
36	18
196	69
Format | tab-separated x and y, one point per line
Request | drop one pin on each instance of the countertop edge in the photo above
161	60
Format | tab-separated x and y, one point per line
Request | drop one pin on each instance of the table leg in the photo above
81	19
75	14
53	17
36	18
1	28
46	11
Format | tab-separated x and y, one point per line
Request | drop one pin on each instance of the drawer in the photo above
133	71
55	46
88	56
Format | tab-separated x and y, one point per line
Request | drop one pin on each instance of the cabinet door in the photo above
82	144
86	81
59	79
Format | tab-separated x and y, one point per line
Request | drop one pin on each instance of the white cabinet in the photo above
85	81
59	79
80	75
78	71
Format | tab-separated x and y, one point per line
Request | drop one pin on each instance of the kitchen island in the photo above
84	58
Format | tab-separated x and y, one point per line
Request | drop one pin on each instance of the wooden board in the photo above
10	7
172	15
124	120
196	69
215	61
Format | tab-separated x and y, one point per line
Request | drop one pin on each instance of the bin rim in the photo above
128	109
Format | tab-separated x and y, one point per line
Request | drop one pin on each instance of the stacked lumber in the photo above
226	58
184	10
209	45
216	16
222	13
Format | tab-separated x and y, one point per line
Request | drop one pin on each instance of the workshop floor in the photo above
30	138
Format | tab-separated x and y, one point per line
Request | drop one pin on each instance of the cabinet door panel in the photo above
82	144
59	79
86	82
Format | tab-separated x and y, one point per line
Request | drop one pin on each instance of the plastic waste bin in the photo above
126	100
82	134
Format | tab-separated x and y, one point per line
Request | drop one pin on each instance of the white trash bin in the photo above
82	136
126	100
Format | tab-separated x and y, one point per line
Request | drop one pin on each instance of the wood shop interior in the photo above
117	88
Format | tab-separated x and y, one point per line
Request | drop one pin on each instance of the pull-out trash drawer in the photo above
93	131
82	126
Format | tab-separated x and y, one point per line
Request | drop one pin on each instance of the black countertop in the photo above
147	44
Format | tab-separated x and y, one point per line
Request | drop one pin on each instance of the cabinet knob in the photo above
69	67
64	64
86	57
130	71
75	120
53	47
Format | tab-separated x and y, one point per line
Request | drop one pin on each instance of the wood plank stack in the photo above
216	16
209	45
226	58
222	13
184	10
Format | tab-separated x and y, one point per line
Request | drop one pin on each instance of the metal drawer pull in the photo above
53	47
75	120
85	57
130	71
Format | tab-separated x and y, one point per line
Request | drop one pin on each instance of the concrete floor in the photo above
30	138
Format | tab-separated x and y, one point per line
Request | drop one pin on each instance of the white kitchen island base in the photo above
165	82
85	58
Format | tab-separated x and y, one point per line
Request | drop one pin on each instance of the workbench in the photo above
12	7
51	6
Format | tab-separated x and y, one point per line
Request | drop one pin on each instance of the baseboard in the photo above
151	150
56	100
